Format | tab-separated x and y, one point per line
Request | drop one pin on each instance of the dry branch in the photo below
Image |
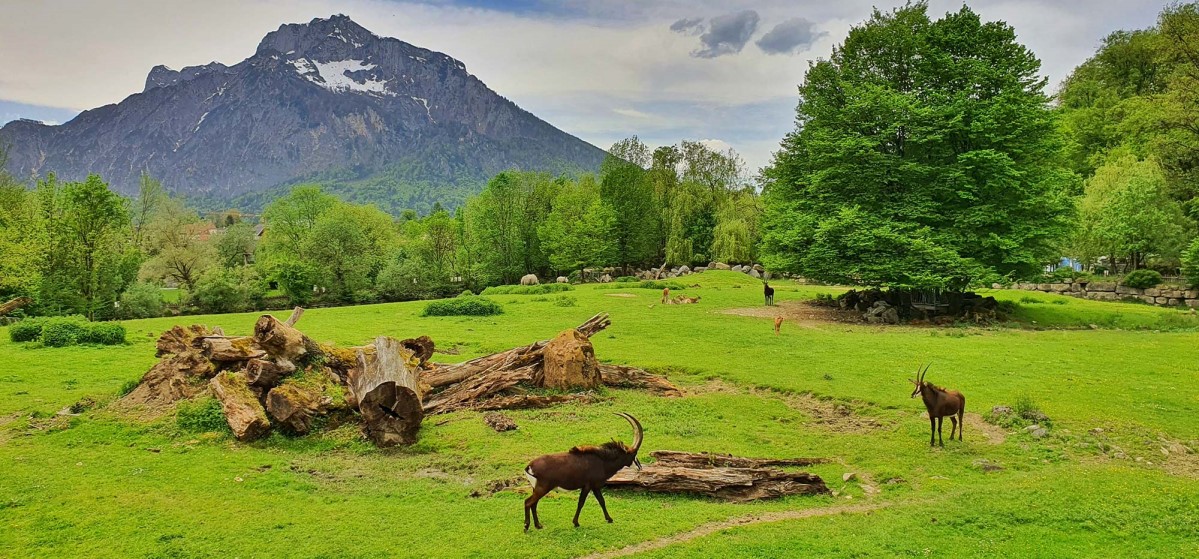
620	376
296	313
14	304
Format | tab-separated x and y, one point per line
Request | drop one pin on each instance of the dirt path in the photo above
800	313
713	527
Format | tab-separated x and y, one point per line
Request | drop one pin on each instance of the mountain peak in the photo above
336	35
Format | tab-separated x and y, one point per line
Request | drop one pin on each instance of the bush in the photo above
647	284
141	300
222	290
1142	279
540	289
201	415
626	279
467	293
565	301
104	333
62	331
27	330
1190	264
463	306
128	387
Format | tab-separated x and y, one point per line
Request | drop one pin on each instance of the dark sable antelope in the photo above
768	292
940	403
586	468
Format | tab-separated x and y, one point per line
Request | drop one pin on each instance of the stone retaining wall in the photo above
1110	291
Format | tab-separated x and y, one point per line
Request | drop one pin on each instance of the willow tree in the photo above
925	156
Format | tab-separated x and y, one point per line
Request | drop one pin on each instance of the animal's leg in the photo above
582	499
599	496
531	505
932	425
940	434
954	427
961	423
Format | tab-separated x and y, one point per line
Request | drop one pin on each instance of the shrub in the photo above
467	293
105	333
565	301
222	290
1190	264
463	306
201	415
141	300
648	284
1025	408
540	289
27	330
62	331
626	279
1142	279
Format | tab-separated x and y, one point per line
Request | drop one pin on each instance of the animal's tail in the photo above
529	475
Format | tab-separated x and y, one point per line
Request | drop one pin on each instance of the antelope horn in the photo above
637	431
920	378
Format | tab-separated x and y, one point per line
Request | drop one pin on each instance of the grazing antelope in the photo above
768	292
778	323
941	403
586	468
665	295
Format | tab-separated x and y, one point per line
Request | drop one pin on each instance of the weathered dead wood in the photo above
179	339
529	401
266	374
386	387
169	381
499	422
294	406
621	376
516	358
14	304
470	392
243	412
283	341
713	460
423	347
730	484
568	362
296	313
225	349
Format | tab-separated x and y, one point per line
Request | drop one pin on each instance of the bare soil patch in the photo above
802	313
622	295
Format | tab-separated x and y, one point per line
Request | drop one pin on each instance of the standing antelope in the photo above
586	468
665	295
940	403
768	292
778	323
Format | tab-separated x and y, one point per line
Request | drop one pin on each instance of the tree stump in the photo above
242	410
386	387
569	362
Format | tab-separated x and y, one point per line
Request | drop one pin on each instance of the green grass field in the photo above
1113	478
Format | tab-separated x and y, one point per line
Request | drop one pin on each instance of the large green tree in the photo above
579	230
925	156
629	190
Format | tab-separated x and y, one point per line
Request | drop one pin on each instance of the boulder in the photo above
754	273
1153	292
758	268
737	268
1101	286
684	270
881	313
1102	295
529	279
1059	287
1125	290
605	279
701	269
562	279
570	362
719	266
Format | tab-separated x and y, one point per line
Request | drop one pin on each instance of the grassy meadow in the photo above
1117	476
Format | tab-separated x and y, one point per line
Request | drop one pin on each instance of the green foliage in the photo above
103	333
627	189
62	331
539	289
128	387
927	157
222	290
565	301
1142	278
141	300
463	306
26	330
201	415
580	229
235	245
467	293
657	285
1190	264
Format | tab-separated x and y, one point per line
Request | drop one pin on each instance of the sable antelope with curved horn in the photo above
940	403
586	468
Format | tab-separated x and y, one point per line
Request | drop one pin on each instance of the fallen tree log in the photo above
226	349
283	341
621	376
295	406
267	374
179	339
14	304
470	392
726	483
169	381
386	388
243	412
713	460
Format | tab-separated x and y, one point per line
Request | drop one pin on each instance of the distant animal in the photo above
665	295
940	403
585	468
529	279
685	300
778	323
769	293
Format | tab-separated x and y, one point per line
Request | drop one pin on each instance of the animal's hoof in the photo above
609	521
539	526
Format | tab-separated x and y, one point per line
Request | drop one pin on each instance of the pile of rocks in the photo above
1111	291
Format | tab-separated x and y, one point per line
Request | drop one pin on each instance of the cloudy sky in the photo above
724	71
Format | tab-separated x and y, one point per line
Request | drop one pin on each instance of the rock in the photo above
1101	286
674	270
1125	290
849	476
529	279
758	268
562	279
719	266
1059	287
701	269
881	313
672	275
570	362
684	270
996	286
737	268
1001	410
606	278
987	465
1036	431
498	421
754	274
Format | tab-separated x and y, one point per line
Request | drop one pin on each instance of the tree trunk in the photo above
294	406
242	410
727	483
224	349
268	374
14	305
283	341
385	385
620	376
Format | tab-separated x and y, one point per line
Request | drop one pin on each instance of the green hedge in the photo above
463	306
540	289
27	330
62	331
1142	279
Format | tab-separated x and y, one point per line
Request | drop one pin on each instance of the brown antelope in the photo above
778	323
665	295
586	468
768	292
940	403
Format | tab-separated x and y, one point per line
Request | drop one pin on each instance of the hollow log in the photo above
283	341
386	387
620	376
243	412
225	349
713	460
294	406
423	347
729	484
14	304
267	374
